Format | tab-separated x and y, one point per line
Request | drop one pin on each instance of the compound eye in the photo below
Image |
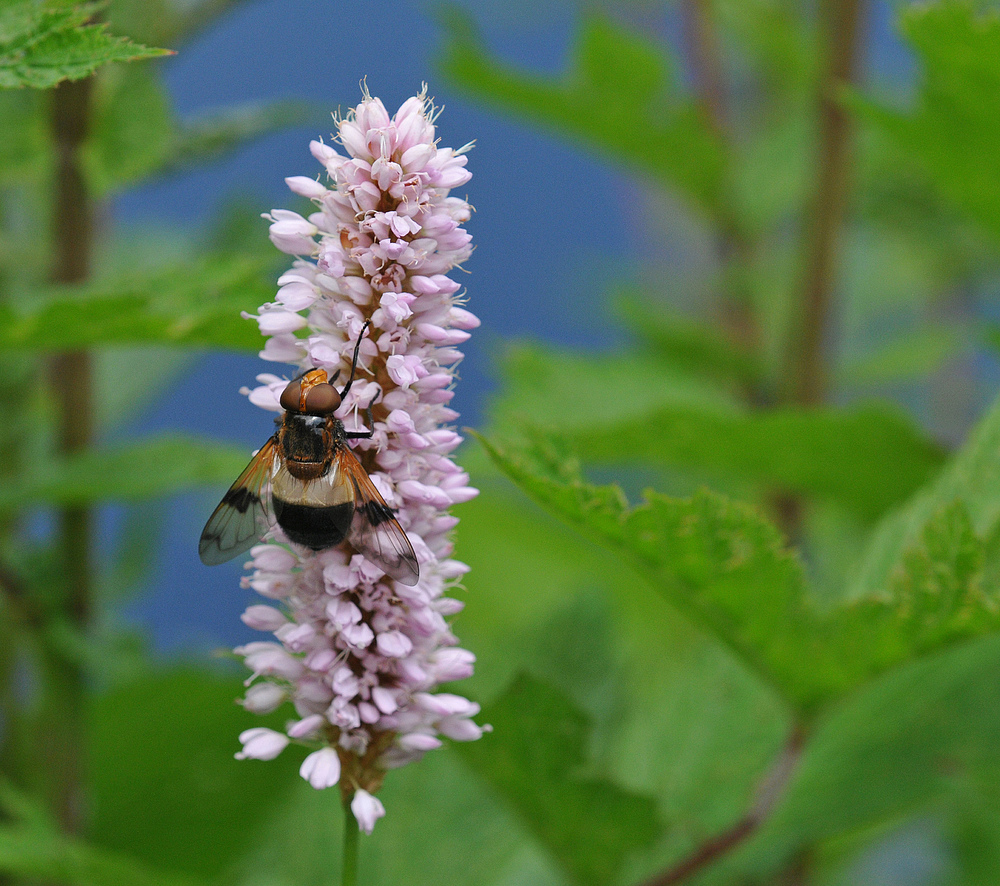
289	399
322	399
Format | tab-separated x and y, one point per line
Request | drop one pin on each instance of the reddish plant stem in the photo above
702	42
732	245
70	375
805	377
768	794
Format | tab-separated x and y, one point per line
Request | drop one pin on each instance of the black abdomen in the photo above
314	527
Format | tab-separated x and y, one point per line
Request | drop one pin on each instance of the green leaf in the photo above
725	568
43	44
893	273
125	572
534	758
938	587
909	357
991	337
24	150
972	478
128	378
136	137
135	471
954	129
167	22
217	133
638	408
436	812
689	344
671	714
718	562
867	459
32	847
777	37
133	126
937	595
771	174
894	750
974	830
571	390
165	787
927	578
194	304
615	97
57	859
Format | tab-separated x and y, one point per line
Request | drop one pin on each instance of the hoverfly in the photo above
318	492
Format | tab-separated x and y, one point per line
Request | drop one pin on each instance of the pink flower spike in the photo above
416	158
296	295
462	319
444	704
371	114
453	664
360	655
367	810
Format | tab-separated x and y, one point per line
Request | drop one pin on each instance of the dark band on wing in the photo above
243	515
241	498
377	512
375	532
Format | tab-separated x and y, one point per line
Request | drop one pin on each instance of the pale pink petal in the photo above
262	698
260	743
321	768
366	809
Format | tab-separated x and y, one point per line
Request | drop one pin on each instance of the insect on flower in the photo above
309	480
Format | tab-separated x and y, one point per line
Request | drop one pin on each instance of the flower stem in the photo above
349	876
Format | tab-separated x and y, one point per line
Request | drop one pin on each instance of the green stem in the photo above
351	838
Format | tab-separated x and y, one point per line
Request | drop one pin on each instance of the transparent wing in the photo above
244	513
374	530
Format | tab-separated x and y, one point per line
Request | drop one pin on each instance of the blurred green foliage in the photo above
780	659
42	44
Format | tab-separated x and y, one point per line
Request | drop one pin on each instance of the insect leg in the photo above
354	362
366	435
